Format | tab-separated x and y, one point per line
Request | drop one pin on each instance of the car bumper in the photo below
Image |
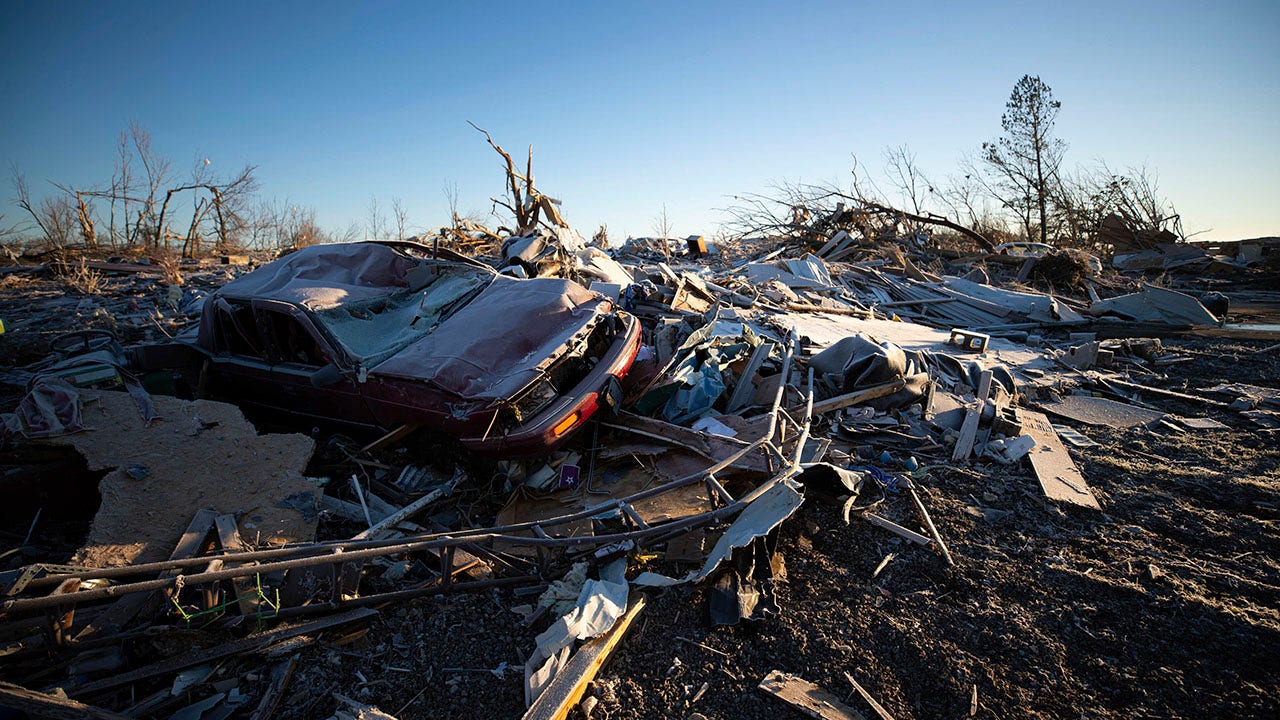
552	427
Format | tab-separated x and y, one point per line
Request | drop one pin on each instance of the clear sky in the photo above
633	106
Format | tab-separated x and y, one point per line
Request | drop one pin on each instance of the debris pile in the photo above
811	374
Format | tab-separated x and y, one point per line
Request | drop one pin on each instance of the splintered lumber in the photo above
280	676
379	529
229	538
807	307
858	396
884	714
570	684
969	428
394	436
42	705
928	522
252	643
746	387
807	697
968	433
896	529
1059	477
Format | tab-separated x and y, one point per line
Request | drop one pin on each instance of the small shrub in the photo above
79	277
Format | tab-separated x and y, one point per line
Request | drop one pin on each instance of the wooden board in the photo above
41	705
1101	411
807	697
570	684
1059	477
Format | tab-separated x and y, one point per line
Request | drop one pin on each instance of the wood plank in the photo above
395	435
280	676
42	705
896	529
569	685
807	697
1059	477
229	537
235	647
746	386
968	433
1101	411
884	714
859	396
973	416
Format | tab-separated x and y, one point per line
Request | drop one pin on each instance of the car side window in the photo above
238	329
289	340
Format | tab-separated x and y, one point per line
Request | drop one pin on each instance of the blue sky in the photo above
633	106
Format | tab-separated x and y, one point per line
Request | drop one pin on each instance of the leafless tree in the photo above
1084	198
907	177
662	230
815	212
155	175
400	217
55	217
227	199
350	234
375	221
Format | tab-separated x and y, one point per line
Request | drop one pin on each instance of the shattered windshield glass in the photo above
374	329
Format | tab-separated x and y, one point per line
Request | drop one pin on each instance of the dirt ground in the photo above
1166	604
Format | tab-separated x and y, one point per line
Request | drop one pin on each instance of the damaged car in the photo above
384	334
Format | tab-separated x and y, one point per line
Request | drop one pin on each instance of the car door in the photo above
297	353
240	370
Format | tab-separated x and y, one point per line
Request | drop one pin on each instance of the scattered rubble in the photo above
777	391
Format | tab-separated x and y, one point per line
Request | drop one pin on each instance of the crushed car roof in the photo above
327	276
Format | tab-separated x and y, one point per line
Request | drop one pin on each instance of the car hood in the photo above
502	340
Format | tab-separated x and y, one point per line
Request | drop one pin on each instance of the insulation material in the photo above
600	604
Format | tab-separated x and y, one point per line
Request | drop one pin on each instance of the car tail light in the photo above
564	425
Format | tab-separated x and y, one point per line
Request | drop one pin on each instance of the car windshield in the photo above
372	330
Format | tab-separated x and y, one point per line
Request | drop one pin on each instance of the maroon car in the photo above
382	334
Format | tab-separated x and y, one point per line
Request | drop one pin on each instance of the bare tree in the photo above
400	217
120	191
55	217
1085	198
905	174
812	213
375	221
350	234
1025	160
236	190
662	229
155	170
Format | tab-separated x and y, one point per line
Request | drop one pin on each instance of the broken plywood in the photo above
1101	411
200	454
1057	472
